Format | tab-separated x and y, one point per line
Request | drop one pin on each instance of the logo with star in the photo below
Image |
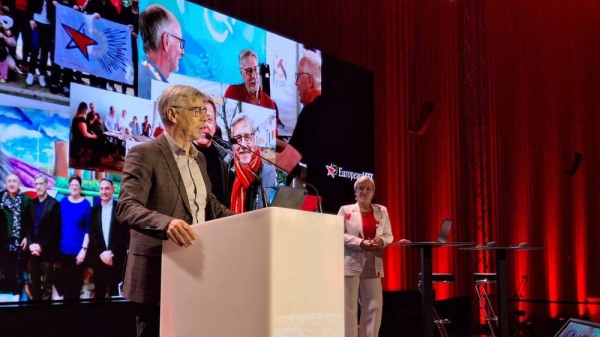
79	40
105	46
331	170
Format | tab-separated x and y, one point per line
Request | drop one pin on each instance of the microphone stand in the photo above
234	142
260	182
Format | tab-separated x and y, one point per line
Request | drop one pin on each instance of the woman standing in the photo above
75	216
367	231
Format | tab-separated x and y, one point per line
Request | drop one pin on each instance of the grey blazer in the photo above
152	194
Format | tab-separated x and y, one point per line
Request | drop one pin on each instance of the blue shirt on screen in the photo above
75	224
148	71
39	212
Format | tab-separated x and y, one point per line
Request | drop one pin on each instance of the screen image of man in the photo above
217	159
15	226
249	91
164	189
45	240
163	46
303	140
246	192
108	243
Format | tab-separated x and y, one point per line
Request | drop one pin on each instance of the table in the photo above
501	272
427	284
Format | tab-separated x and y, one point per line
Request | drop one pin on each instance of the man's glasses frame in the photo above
248	138
298	74
181	41
195	110
250	70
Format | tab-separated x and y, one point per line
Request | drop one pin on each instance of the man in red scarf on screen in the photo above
246	193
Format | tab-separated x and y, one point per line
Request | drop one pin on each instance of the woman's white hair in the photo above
362	179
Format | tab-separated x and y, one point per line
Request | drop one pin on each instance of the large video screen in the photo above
80	89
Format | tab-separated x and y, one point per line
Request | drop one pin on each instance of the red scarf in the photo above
243	181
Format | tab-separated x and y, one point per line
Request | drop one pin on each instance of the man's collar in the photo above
177	149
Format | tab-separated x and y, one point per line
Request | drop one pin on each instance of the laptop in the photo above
444	230
442	235
576	327
289	197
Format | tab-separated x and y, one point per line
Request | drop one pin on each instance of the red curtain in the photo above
536	66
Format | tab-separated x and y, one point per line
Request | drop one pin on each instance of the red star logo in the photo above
79	40
331	170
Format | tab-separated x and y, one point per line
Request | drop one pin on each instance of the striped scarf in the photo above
243	181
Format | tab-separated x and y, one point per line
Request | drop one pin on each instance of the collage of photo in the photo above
78	89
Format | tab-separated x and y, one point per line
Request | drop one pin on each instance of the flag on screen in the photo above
94	46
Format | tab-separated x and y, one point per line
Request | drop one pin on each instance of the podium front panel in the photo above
270	272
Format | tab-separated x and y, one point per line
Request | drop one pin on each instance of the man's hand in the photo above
181	233
36	249
107	257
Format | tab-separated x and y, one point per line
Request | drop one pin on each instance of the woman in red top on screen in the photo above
249	91
367	231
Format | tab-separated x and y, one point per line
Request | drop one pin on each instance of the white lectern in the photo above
271	272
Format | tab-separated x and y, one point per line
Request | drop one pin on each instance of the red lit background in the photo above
528	73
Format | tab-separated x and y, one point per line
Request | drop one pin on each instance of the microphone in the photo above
235	142
216	141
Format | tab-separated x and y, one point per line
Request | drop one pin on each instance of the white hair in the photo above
155	20
246	53
364	178
243	118
312	66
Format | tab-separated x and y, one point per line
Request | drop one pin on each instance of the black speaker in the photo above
401	315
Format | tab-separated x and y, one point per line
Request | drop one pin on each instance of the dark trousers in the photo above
42	42
107	279
69	277
12	271
147	319
40	278
21	27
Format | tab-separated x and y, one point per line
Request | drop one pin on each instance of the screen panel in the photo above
95	81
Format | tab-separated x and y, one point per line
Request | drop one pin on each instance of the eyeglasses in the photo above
247	137
196	110
250	70
181	41
298	74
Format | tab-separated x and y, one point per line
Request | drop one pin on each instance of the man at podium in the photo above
164	189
